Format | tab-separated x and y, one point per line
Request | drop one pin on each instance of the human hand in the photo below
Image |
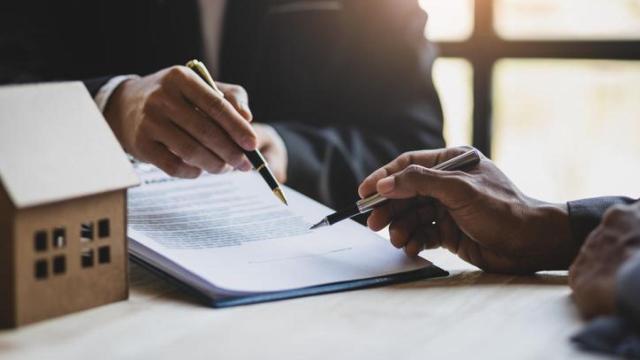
479	215
593	274
175	121
274	150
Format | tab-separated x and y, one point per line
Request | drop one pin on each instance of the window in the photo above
449	20
568	19
40	269
86	232
40	241
59	238
103	228
566	71
59	265
86	258
104	255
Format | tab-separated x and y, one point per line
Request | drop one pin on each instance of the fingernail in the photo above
387	184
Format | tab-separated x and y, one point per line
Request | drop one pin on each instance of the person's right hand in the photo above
175	121
479	215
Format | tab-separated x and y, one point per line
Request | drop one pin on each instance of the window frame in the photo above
484	48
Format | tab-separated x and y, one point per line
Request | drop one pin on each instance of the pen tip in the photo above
280	195
319	225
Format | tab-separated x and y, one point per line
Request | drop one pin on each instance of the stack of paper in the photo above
228	237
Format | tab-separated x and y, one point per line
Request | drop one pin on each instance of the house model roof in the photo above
55	145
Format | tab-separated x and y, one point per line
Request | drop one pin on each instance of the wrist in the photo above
554	235
114	110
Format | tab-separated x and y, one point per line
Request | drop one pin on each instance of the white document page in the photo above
228	234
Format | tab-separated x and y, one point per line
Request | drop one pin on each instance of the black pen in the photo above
255	157
466	160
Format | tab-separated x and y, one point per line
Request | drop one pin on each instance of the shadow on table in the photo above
480	278
147	282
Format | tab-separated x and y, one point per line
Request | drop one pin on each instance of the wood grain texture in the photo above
467	315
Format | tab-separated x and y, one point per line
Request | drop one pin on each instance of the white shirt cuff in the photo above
105	92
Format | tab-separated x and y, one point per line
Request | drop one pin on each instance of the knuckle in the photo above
177	72
410	157
465	148
414	170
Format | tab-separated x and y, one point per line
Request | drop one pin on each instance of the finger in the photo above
158	154
382	216
401	230
426	158
449	234
198	93
414	247
379	218
187	148
239	99
426	234
453	189
208	133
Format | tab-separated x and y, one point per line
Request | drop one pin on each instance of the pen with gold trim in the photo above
255	157
468	159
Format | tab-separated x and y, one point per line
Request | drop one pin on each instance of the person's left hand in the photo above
593	274
274	150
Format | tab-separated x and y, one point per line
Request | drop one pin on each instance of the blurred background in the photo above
549	88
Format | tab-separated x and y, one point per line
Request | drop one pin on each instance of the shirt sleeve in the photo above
101	98
585	215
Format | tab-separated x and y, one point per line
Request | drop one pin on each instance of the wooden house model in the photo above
63	181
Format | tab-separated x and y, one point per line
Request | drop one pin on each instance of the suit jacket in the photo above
346	83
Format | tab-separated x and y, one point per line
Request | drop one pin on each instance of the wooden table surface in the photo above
467	315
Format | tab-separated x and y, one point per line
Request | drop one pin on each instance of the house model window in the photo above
40	241
59	265
59	238
104	228
41	269
86	231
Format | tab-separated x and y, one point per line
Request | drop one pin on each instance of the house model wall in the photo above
63	180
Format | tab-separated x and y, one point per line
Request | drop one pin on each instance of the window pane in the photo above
449	20
567	129
568	19
453	80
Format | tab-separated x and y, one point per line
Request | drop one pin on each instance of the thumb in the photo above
448	187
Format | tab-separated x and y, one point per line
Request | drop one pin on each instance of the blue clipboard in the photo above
431	271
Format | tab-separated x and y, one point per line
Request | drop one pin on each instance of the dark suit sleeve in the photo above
585	215
387	104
